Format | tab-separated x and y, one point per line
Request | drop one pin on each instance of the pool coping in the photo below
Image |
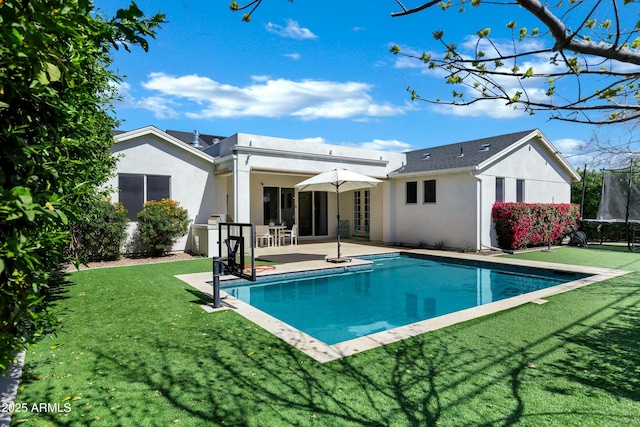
323	353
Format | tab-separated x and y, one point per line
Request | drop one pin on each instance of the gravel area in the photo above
126	261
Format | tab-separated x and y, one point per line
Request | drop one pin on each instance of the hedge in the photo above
522	225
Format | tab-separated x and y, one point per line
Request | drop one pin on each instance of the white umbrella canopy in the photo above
340	181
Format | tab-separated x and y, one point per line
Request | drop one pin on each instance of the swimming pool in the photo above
394	291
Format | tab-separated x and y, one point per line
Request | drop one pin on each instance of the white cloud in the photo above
387	145
306	99
123	89
295	56
315	139
357	29
568	145
260	78
162	108
291	31
496	109
574	150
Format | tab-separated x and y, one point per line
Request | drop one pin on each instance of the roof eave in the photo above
575	177
433	172
152	130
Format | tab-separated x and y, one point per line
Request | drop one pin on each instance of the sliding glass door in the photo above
270	205
278	206
287	207
313	213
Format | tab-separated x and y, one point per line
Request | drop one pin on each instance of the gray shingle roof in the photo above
449	156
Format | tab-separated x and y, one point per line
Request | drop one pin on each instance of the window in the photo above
499	189
412	192
429	191
520	190
157	187
134	190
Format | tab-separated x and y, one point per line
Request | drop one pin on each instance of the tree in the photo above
578	43
55	139
615	148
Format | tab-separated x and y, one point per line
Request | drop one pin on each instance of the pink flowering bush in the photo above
521	225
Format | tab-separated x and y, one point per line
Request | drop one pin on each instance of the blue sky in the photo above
318	70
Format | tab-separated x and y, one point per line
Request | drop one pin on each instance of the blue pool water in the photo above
396	291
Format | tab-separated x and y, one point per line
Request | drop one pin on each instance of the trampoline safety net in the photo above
620	189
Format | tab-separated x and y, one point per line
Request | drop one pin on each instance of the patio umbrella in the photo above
340	181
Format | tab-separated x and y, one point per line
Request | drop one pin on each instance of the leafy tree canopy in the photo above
55	139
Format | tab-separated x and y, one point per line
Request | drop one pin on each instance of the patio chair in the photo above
362	231
291	234
263	235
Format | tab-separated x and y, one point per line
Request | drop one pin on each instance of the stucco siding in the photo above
545	181
451	220
192	183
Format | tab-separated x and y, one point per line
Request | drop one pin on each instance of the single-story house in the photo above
439	195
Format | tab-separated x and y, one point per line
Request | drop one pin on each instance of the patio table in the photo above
275	230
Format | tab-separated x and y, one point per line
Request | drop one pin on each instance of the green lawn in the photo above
135	349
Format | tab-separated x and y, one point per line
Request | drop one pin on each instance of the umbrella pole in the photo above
338	228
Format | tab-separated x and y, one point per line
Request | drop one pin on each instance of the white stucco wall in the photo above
450	220
192	182
461	215
545	180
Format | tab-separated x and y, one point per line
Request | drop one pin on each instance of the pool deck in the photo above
312	256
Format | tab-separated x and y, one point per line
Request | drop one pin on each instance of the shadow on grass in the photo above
202	297
478	373
611	247
59	283
607	355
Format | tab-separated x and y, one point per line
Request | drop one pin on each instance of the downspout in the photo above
482	245
235	187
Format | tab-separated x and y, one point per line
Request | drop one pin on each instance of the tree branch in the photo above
406	11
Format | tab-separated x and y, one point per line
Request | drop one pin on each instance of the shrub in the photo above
102	237
465	248
160	224
521	225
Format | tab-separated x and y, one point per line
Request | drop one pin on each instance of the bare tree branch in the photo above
406	11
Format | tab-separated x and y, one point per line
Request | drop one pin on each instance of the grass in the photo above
135	349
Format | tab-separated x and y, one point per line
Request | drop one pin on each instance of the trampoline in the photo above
619	202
